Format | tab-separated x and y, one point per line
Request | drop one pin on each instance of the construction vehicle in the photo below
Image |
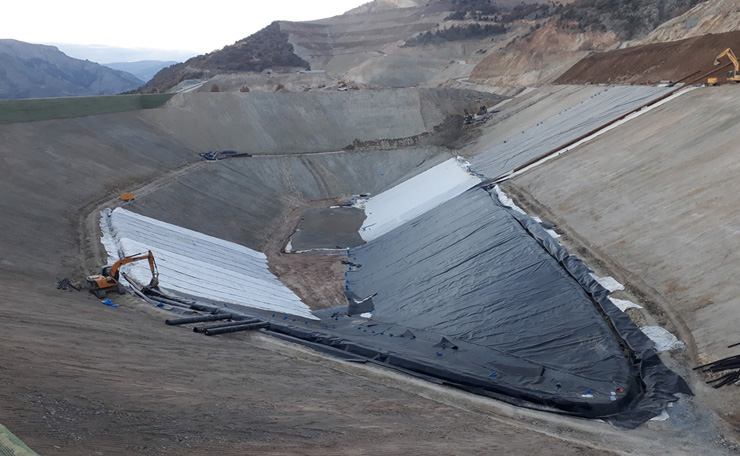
733	75
107	280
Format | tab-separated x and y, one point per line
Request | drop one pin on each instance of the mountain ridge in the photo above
406	43
42	71
142	69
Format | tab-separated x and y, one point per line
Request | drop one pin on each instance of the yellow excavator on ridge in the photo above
733	75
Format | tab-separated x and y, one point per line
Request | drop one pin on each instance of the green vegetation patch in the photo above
266	49
491	11
61	108
629	19
456	33
12	445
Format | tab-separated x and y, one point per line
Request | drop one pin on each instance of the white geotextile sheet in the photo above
197	264
624	304
414	197
664	340
545	135
608	282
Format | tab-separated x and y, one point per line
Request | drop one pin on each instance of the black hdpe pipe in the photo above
204	308
732	377
200	329
157	295
170	302
199	319
235	328
733	362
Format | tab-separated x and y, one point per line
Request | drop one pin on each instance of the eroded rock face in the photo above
715	16
540	57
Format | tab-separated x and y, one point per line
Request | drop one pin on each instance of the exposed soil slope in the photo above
674	61
540	56
83	378
629	19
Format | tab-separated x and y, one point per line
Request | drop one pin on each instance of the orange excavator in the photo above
107	280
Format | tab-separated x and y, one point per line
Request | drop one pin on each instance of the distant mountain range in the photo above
40	71
104	54
141	62
144	70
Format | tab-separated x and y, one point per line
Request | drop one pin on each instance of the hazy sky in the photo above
155	24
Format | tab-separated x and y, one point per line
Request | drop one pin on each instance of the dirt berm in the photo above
672	61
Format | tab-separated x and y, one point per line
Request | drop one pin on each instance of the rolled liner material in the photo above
200	329
531	324
235	328
198	319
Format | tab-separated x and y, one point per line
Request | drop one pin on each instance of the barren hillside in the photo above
405	43
714	16
684	60
540	56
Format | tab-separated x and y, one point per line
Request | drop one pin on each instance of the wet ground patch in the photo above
328	228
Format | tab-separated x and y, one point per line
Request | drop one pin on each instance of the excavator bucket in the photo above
154	283
716	62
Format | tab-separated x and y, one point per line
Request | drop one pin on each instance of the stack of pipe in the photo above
730	363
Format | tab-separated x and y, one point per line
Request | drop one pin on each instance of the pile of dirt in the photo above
686	59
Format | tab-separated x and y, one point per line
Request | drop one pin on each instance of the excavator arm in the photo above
130	259
728	52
